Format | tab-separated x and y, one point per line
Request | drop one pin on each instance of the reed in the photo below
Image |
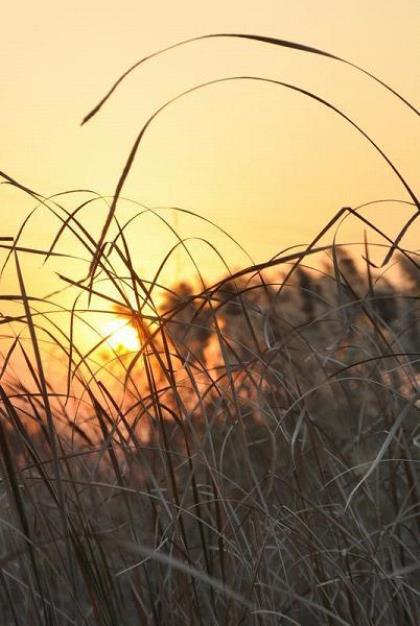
254	461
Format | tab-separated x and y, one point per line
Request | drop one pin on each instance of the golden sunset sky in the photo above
265	163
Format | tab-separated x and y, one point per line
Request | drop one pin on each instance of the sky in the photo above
266	164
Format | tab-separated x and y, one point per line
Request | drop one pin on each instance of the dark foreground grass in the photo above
254	462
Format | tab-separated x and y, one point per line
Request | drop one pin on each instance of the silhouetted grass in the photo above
254	462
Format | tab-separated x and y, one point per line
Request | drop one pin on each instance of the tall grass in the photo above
254	462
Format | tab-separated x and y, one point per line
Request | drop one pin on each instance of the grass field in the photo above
253	460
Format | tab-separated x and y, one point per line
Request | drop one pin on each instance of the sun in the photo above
121	336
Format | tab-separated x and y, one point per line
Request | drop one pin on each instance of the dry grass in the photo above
255	462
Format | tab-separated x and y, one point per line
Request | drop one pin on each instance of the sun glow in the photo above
121	336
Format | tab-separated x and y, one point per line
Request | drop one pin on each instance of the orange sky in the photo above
262	162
